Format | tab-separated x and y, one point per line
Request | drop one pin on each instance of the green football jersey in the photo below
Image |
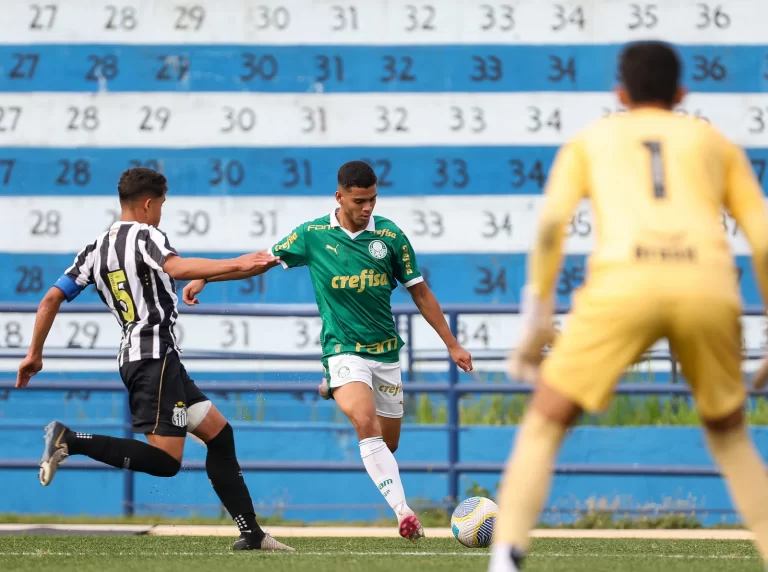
353	275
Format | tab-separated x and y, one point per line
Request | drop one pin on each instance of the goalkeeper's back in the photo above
662	266
658	183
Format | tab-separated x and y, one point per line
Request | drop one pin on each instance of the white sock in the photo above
382	468
501	559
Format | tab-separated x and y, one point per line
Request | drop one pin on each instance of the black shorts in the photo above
159	393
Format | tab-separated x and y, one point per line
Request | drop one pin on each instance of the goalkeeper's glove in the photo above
536	333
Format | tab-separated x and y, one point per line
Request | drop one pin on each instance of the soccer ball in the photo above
473	521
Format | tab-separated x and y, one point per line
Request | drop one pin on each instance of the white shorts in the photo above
383	378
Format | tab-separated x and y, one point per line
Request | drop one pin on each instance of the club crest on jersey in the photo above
343	372
179	417
377	249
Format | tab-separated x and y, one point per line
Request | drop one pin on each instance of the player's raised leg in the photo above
356	400
161	460
158	403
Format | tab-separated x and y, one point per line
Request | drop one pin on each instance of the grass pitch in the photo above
204	554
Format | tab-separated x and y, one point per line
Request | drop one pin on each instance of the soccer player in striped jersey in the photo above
133	267
355	261
662	268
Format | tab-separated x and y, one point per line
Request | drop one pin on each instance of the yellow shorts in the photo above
605	335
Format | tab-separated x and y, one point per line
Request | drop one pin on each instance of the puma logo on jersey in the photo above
329	247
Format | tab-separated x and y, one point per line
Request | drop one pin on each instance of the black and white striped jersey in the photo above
126	265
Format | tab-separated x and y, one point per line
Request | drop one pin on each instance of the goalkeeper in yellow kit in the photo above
661	268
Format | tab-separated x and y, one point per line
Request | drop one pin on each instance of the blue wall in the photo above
80	492
442	102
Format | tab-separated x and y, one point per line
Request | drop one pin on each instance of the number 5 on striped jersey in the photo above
117	283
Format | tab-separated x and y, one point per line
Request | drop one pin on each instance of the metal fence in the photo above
452	389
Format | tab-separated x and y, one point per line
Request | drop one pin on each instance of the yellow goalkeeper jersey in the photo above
658	183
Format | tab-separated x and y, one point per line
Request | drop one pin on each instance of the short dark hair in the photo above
650	72
140	182
356	174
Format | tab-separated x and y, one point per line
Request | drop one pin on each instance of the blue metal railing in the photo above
453	389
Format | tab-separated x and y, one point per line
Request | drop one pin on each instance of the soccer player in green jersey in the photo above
355	261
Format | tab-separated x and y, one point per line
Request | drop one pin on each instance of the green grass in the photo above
198	554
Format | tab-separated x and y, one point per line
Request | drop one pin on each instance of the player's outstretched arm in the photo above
205	268
430	308
46	314
565	188
191	290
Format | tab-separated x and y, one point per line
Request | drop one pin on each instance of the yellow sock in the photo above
527	479
747	480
